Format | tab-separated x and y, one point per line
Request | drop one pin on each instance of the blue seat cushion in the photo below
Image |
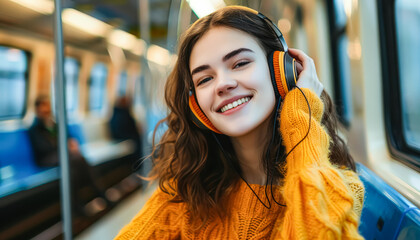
386	213
18	170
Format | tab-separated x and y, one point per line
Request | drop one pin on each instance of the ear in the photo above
283	72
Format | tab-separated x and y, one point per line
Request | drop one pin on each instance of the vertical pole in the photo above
60	100
146	76
184	19
172	25
144	20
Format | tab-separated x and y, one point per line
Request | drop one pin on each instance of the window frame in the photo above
29	56
391	88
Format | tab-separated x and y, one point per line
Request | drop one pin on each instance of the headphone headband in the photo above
276	30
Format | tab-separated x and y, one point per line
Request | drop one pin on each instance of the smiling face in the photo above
232	81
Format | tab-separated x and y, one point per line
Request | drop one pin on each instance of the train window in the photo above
340	19
122	84
408	44
344	87
13	82
340	60
97	87
399	23
71	74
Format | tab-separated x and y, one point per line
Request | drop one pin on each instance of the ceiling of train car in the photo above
121	14
124	14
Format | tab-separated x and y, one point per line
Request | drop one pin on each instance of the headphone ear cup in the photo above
198	116
283	72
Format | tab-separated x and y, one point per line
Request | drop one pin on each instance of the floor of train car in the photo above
109	225
106	223
115	175
103	222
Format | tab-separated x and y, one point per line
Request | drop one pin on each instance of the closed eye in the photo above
240	64
204	80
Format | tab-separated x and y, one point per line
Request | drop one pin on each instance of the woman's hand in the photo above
307	73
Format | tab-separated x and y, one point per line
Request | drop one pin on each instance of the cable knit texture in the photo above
318	196
323	201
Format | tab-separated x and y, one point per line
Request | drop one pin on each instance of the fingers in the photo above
301	57
299	68
307	71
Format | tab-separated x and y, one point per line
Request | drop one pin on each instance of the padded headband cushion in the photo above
283	72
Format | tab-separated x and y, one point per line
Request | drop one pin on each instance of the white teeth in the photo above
235	104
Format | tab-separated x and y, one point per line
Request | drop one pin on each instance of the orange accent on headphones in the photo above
283	72
199	118
277	61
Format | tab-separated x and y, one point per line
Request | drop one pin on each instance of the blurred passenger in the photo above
44	139
234	174
123	125
43	134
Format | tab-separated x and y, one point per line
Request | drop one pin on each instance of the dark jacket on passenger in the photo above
44	143
123	127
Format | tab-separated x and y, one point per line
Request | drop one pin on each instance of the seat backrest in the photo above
95	130
16	154
386	213
18	170
410	225
75	131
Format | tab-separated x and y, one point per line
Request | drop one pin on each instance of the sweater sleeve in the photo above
158	219
319	197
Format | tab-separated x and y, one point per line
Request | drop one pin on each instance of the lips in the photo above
233	102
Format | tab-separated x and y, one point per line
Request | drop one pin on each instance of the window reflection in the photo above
71	74
339	13
97	88
13	76
344	78
408	42
122	84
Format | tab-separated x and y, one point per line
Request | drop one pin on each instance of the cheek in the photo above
204	100
261	79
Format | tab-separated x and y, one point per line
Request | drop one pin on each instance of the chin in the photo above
245	127
237	131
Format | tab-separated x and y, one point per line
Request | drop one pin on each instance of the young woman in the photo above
253	175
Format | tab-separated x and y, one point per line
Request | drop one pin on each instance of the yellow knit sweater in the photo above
323	202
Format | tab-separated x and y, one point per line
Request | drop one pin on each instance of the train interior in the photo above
119	53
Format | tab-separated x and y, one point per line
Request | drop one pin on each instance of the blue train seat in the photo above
97	146
75	131
386	213
18	170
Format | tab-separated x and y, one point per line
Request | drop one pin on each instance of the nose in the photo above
225	84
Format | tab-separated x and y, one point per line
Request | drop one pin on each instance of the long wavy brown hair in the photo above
188	161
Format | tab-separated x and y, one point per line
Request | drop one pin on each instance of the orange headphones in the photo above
283	77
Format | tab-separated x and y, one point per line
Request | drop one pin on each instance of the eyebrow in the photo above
225	58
